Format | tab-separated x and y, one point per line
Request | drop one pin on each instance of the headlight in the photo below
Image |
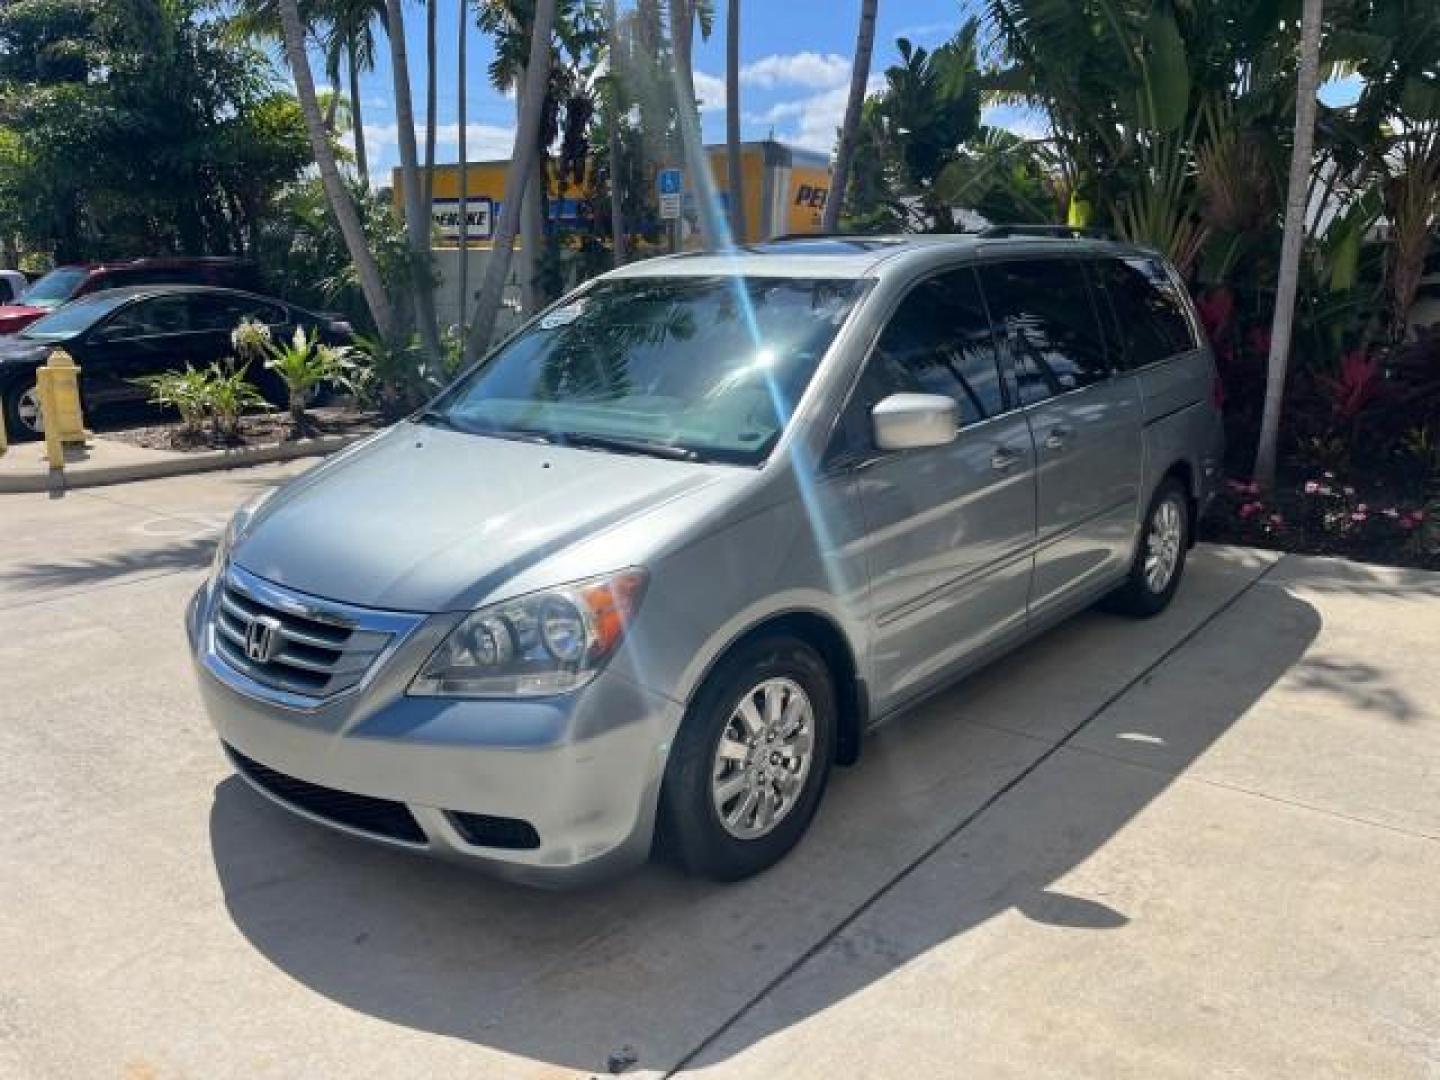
548	642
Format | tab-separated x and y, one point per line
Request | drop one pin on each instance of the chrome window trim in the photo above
398	624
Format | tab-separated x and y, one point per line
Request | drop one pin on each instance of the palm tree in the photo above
350	39
522	162
1306	86
859	76
341	204
417	214
732	121
463	242
683	16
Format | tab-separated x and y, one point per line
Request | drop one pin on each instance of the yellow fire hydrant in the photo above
57	385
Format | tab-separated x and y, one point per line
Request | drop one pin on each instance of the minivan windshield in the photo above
705	368
74	318
54	288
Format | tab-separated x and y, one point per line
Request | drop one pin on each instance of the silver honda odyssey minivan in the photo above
644	575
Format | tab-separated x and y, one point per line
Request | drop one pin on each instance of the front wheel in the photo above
1160	556
751	760
21	403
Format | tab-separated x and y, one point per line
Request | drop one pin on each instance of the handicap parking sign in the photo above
672	181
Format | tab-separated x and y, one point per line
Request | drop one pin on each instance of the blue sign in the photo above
672	181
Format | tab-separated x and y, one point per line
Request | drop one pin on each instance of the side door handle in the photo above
1004	458
1058	437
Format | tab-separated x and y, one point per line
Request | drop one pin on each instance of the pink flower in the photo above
1391	513
1363	508
1250	509
1358	516
1328	475
1311	487
1277	520
1348	490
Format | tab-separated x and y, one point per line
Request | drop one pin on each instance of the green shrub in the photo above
305	364
188	392
230	394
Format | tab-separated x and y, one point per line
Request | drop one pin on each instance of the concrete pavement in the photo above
1208	843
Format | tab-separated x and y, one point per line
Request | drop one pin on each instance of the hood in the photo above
424	519
15	317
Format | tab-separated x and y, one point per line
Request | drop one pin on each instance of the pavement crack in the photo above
964	823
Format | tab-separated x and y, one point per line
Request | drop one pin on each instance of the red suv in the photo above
65	283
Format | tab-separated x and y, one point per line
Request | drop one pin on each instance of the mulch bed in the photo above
257	429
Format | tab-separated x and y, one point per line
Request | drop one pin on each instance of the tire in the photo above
1155	574
22	411
714	802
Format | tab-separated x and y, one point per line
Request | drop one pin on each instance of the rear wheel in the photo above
751	760
1160	556
21	403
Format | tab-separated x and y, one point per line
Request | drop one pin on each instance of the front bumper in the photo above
583	770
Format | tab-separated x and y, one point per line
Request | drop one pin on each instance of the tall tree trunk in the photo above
714	232
336	193
1307	85
528	261
357	120
431	104
462	271
732	122
859	76
417	213
612	122
522	163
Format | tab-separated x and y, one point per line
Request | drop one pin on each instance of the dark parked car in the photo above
120	334
66	283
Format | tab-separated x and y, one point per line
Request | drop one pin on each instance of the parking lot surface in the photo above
1204	844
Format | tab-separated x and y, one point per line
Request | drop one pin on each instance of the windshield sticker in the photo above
563	316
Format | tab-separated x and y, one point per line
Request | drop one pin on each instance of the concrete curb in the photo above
78	476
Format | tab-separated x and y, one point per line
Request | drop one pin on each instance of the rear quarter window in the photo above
1150	319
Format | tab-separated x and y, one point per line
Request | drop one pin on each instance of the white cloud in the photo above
710	89
807	69
812	122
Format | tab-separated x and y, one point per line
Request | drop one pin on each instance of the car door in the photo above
1086	424
150	336
949	529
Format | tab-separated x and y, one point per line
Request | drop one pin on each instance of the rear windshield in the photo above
55	288
707	366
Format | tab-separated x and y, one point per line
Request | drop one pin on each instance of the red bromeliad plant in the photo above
1356	386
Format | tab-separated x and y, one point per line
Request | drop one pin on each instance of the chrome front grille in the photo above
297	644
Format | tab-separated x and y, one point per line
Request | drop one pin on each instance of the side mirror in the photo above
912	421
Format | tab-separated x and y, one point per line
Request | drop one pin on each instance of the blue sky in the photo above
795	59
795	69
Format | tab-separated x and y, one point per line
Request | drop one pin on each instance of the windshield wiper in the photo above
621	445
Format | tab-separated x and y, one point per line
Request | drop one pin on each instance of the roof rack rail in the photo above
1058	232
786	237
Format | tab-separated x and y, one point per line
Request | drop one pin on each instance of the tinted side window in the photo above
226	312
162	315
1148	310
939	342
1043	309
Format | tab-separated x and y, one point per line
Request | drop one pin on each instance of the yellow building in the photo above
785	190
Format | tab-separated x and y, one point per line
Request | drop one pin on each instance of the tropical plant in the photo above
337	195
228	394
302	365
391	375
187	392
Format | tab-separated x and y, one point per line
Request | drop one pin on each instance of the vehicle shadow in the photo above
648	968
